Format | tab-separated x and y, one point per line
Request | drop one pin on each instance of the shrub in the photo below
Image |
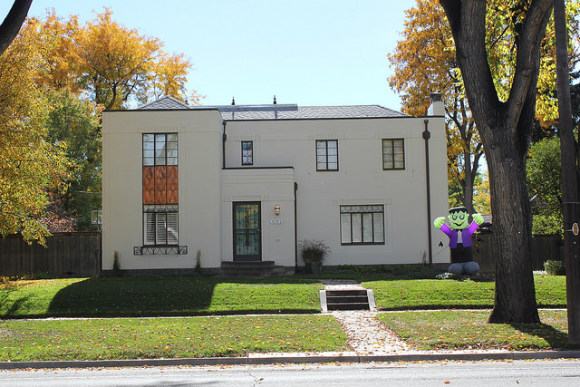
198	262
554	267
313	250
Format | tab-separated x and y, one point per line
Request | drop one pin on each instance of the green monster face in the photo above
458	220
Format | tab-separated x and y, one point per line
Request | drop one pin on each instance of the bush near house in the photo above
555	267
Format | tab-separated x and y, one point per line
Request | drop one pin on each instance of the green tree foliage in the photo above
69	73
503	34
73	124
31	166
544	171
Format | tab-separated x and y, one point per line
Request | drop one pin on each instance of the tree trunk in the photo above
505	129
12	23
514	283
569	181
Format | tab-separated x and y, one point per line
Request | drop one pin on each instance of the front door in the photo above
247	233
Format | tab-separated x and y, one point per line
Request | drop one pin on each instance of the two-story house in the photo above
242	183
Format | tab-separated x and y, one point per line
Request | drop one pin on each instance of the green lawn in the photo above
151	338
461	329
141	337
188	295
436	294
157	296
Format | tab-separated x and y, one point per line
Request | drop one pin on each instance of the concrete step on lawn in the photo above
346	300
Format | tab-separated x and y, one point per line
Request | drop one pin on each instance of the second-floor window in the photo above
327	155
393	153
247	153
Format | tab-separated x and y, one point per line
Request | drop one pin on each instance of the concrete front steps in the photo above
347	299
250	269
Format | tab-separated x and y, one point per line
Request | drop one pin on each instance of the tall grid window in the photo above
393	154
362	225
247	153
160	189
327	155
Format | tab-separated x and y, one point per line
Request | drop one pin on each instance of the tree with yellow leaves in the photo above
424	61
112	64
30	166
47	68
60	52
118	64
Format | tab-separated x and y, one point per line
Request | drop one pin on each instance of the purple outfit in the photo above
465	234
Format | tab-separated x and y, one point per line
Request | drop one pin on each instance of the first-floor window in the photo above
161	225
362	224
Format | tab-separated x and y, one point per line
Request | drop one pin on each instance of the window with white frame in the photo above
393	153
327	155
362	224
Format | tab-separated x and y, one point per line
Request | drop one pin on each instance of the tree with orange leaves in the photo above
114	65
424	62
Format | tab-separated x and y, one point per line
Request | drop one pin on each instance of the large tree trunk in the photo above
515	299
505	129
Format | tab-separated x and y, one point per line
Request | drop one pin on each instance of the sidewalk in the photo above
369	339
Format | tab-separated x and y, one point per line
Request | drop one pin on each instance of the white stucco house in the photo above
240	183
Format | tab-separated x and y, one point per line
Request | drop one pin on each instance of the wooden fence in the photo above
75	254
544	248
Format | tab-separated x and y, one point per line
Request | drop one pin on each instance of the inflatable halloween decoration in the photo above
459	231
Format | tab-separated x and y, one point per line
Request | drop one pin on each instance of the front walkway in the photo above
366	334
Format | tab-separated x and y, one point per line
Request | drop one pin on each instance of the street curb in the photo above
210	361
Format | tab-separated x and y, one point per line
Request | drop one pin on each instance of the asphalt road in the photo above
552	373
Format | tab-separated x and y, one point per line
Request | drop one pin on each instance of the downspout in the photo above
426	136
295	228
224	138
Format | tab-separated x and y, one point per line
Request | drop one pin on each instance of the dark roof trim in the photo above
330	119
161	110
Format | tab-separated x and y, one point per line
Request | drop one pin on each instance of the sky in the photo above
306	52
